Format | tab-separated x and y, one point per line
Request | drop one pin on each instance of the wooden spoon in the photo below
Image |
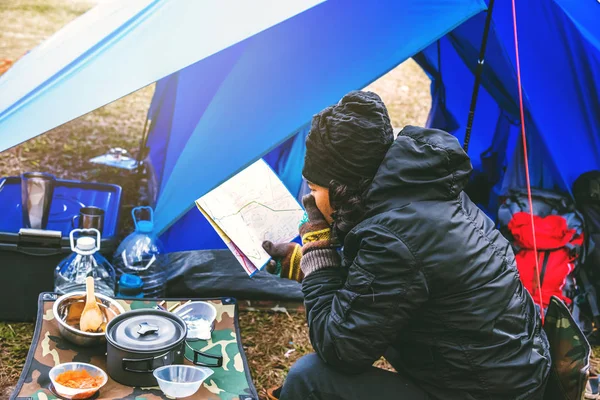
91	317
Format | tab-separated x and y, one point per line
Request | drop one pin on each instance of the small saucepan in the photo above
67	311
140	341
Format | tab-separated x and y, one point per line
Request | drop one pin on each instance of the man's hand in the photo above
318	243
285	260
315	231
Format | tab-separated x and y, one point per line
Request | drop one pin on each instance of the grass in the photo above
14	345
273	341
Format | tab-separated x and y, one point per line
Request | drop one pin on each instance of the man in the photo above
423	277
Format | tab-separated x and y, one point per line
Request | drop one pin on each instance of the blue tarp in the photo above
119	47
237	81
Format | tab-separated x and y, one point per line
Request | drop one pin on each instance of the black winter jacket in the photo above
428	281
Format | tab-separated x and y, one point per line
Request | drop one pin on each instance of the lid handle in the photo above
146	329
93	231
135	219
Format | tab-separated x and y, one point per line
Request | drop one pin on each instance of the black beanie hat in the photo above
348	141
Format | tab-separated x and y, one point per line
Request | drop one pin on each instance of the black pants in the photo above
311	379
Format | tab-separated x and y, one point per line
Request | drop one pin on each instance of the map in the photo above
251	207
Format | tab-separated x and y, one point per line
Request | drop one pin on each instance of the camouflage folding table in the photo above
229	382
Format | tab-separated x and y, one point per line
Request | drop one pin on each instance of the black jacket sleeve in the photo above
354	316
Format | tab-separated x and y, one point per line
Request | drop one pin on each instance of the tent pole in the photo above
441	86
142	143
478	73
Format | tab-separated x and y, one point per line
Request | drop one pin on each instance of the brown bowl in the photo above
67	310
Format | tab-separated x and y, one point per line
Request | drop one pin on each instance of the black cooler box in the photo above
28	257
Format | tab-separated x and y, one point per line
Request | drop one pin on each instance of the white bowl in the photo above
193	313
181	380
72	393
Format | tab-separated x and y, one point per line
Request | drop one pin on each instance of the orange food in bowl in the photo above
80	379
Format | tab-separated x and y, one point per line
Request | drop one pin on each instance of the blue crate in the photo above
69	197
27	262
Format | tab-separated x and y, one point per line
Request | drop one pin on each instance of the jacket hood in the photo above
422	164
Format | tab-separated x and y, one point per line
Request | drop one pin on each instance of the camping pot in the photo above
140	341
67	311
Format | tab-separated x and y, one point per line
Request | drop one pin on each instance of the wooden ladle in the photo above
91	317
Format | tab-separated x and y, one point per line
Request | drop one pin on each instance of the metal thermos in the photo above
36	197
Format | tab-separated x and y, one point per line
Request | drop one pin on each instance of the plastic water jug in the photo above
71	272
141	254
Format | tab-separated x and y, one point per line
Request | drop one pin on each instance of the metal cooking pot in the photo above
67	311
140	341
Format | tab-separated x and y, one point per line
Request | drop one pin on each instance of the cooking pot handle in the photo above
216	364
165	359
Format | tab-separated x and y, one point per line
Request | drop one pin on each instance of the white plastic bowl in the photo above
181	380
192	313
72	393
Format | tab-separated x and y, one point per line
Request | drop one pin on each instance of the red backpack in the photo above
556	245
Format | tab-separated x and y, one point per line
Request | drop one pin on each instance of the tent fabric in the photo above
192	231
217	273
495	148
119	47
234	90
559	45
258	93
174	111
251	90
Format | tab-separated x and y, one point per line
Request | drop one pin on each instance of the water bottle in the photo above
71	272
141	254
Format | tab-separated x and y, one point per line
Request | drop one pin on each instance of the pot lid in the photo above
146	330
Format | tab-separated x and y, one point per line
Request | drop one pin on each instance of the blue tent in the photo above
559	46
250	90
234	82
561	100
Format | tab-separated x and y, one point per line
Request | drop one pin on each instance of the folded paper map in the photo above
251	207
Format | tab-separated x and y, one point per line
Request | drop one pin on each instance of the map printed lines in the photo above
258	204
